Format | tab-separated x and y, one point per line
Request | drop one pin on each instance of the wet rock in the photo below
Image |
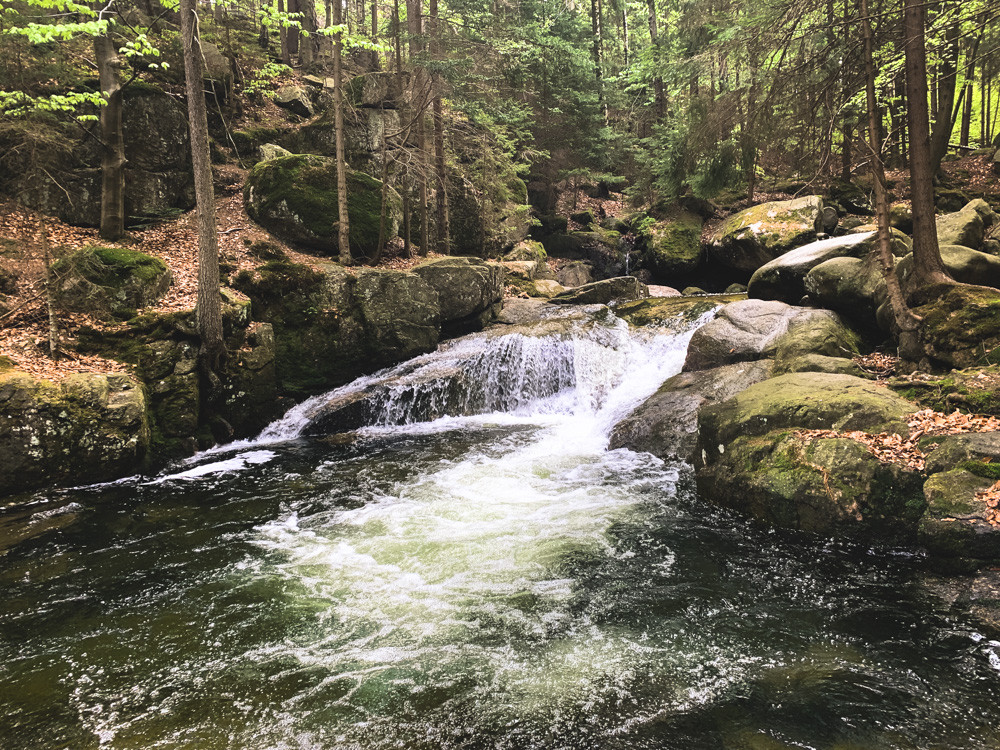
955	524
623	288
470	291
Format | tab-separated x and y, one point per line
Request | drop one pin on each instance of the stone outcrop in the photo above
469	290
622	288
672	247
109	281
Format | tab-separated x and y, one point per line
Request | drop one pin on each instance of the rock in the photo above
85	428
955	524
470	291
747	240
528	250
217	65
985	211
296	99
548	225
853	287
958	450
832	486
690	291
965	265
959	327
736	289
295	197
818	363
583	218
527	270
665	311
378	90
575	273
963	228
656	290
757	329
599	248
852	197
250	384
331	326
604	292
948	199
548	288
975	390
666	424
272	151
672	247
109	281
901	217
802	400
783	278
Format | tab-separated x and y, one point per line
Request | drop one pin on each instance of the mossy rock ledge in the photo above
109	281
82	429
749	458
295	197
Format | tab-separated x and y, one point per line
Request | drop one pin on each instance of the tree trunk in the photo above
904	317
286	53
343	223
209	309
443	239
659	95
944	117
927	265
113	143
308	45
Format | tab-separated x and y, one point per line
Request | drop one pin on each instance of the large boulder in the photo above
959	327
575	273
783	278
965	265
672	247
330	326
956	523
295	197
802	400
757	329
109	281
296	99
470	291
666	424
853	287
84	428
602	249
749	239
965	228
831	486
622	288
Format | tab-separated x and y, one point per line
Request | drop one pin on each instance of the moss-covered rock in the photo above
622	288
961	325
667	311
965	265
974	390
749	239
853	287
974	451
109	281
955	524
295	197
802	400
965	228
818	363
832	486
469	290
527	250
85	428
672	247
575	273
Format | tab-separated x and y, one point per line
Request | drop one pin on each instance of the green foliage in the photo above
262	81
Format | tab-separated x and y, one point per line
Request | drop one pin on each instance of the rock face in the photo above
109	281
599	248
757	329
854	287
295	197
622	288
86	428
158	176
666	424
749	461
747	240
470	291
331	326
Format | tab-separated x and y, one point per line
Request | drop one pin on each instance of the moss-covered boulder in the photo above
965	228
109	281
956	522
85	428
961	325
666	311
802	400
973	390
575	273
749	239
527	250
818	363
672	247
469	290
622	288
330	325
295	198
760	329
600	248
965	265
834	486
666	424
853	287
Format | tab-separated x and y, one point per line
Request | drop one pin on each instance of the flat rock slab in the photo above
620	288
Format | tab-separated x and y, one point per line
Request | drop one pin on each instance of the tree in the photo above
209	308
343	223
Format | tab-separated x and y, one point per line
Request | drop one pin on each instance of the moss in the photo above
666	310
961	324
249	140
673	246
982	469
6	363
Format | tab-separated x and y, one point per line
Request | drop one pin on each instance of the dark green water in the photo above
484	582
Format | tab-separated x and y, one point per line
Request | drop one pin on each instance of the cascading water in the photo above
470	568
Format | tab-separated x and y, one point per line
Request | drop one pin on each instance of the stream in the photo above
471	569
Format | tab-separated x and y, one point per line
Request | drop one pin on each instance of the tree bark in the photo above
927	265
659	95
113	142
944	117
343	223
209	308
440	168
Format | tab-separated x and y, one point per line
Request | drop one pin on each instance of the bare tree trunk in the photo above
308	46
294	6
50	291
343	223
443	239
209	309
286	52
113	143
397	43
927	265
414	11
944	117
659	94
904	317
